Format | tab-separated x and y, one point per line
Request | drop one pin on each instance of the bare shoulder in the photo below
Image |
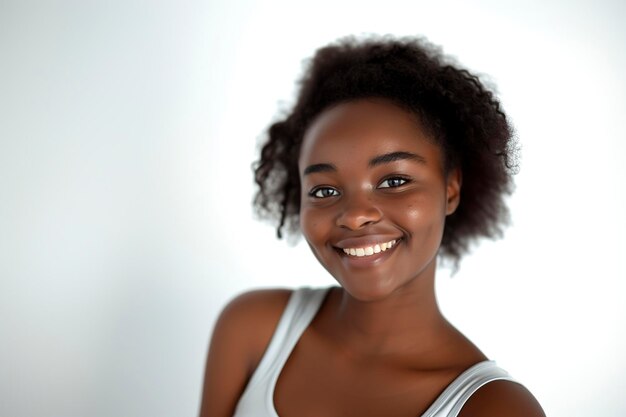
256	304
240	337
502	399
251	318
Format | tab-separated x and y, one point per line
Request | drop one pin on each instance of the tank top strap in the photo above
452	399
302	306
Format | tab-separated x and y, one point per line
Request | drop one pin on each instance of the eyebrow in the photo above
377	160
396	156
319	168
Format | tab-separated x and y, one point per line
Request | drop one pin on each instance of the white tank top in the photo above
258	397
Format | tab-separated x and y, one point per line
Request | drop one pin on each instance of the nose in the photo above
358	211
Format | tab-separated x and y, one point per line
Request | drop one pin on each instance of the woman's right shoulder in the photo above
251	318
240	337
257	307
264	302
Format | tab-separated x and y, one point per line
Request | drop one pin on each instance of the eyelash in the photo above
313	193
315	190
403	180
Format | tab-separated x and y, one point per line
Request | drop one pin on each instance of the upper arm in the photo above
240	337
502	398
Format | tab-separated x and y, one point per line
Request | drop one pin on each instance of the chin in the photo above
367	290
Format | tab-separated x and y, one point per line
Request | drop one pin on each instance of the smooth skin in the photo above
379	345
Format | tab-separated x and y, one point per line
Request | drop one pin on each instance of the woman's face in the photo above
374	196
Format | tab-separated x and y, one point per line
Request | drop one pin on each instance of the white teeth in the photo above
369	250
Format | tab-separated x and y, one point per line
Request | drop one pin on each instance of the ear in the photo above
453	190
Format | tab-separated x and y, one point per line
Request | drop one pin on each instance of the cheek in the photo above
311	225
416	210
412	211
425	215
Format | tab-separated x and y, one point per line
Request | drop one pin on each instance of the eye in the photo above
323	192
393	182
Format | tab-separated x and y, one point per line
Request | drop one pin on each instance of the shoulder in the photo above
502	398
249	320
256	305
240	337
257	301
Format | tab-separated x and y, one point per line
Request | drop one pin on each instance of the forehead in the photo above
361	129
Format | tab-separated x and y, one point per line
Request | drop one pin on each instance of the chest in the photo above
317	381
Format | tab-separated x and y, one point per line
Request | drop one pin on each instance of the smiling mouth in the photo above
370	250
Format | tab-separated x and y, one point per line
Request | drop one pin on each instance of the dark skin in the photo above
379	345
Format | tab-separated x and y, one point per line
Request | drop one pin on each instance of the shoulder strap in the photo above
452	399
299	311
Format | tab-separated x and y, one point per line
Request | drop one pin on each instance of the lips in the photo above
369	250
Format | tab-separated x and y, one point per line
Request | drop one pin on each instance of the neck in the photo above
407	319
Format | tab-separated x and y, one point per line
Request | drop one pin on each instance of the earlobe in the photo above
453	190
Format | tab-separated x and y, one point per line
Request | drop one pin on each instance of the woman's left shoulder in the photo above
502	398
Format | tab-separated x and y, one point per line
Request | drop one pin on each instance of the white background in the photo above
127	131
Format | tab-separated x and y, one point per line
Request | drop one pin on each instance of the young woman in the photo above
392	157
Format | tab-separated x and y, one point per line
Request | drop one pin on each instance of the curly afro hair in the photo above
459	111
